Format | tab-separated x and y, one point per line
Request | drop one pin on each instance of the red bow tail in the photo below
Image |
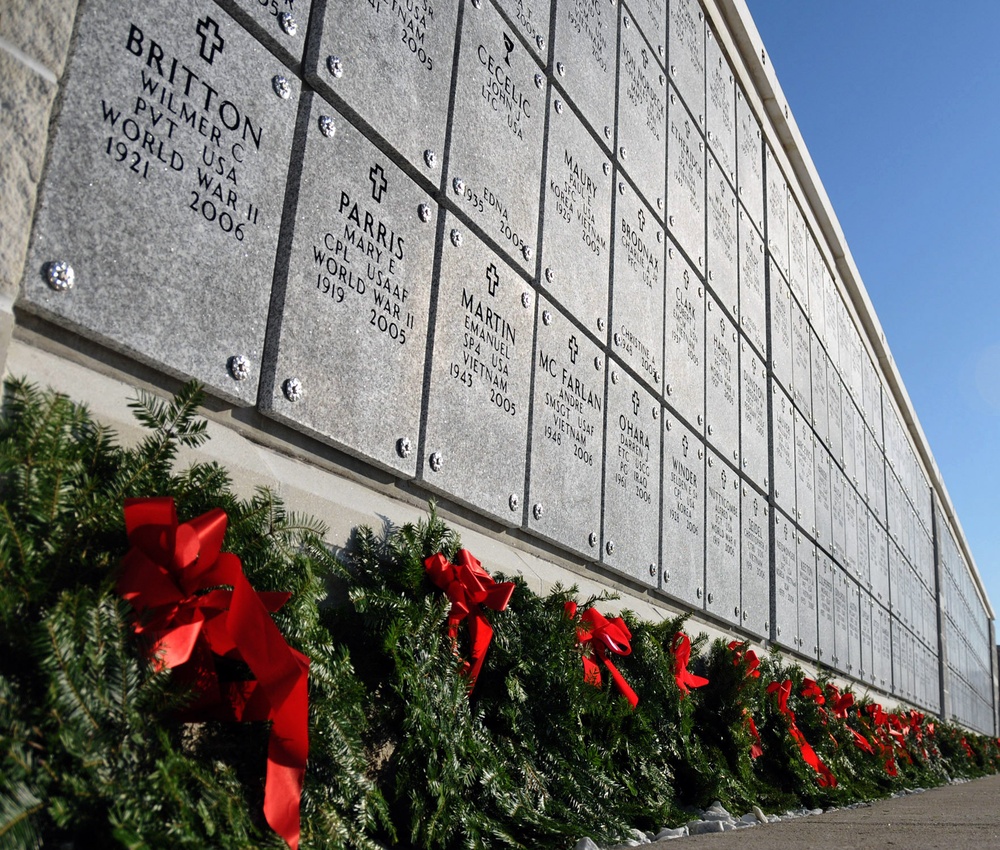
682	655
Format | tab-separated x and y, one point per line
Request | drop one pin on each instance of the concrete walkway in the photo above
955	817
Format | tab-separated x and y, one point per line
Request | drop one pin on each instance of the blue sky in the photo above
897	101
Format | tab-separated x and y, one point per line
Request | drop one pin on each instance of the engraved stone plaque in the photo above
824	518
834	390
722	383
720	107
808	637
817	297
531	17
781	327
586	51
864	545
798	261
848	418
832	340
820	401
281	24
722	240
801	367
892	506
642	116
370	53
480	372
783	435
826	604
753	417
722	539
878	554
567	435
684	341
755	563
840	617
777	211
866	672
651	17
495	160
686	181
749	161
875	467
786	582
851	530
837	514
872	389
883	648
632	480
637	287
166	173
355	300
576	230
683	512
854	652
805	482
753	299
686	54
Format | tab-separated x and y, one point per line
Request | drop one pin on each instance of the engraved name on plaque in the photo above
786	582
576	227
780	300
163	191
753	301
749	161
722	539
585	52
825	605
686	181
722	417
686	53
753	417
567	434
808	639
798	262
632	479
495	159
777	211
642	116
350	335
783	434
721	107
684	341
279	25
531	17
480	372
370	53
683	512
637	287
722	240
801	367
805	481
755	559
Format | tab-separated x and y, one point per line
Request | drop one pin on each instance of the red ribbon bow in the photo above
740	652
602	636
682	655
810	690
881	721
809	755
171	576
841	703
470	588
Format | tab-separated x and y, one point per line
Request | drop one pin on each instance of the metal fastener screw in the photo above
526	252
598	363
546	317
592	539
609	547
424	211
600	324
607	132
656	413
621	188
292	389
430	158
60	276
540	41
711	598
670	389
614	377
436	461
327	127
282	88
513	501
617	338
403	447
560	69
458	184
525	300
477	4
537	510
456	238
659	203
335	66
539	81
736	611
698	593
239	367
558	105
652	570
627	23
549	274
607	168
287	23
623	153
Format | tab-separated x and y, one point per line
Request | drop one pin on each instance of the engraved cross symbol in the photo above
574	349
723	479
685	445
508	44
645	58
642	219
217	42
635	401
493	279
379	183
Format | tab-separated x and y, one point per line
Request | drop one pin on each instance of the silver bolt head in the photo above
540	41
598	362
59	275
617	339
458	184
430	158
335	66
292	388
537	510
558	105
436	461
287	23
592	539
546	317
282	88
549	274
513	501
600	324
327	127
526	252
539	81
404	447
622	152
652	570
609	547
614	377
525	300
424	212
560	69
711	598
456	238
239	367
607	168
